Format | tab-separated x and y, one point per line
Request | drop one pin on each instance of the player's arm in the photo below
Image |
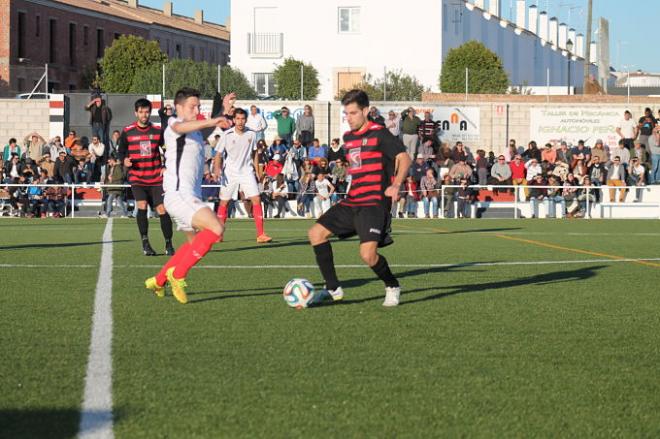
394	149
185	127
217	160
122	150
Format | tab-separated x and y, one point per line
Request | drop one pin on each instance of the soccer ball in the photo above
298	293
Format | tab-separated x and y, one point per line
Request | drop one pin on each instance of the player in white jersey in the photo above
234	165
182	183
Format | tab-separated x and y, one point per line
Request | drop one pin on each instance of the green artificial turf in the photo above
474	350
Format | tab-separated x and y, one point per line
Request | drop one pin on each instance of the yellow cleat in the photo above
152	285
263	239
178	286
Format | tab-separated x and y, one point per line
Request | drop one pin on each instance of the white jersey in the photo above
237	150
184	161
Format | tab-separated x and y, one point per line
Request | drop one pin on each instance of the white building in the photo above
344	40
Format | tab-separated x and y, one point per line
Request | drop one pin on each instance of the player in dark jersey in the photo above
378	165
139	151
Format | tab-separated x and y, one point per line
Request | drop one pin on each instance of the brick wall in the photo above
18	118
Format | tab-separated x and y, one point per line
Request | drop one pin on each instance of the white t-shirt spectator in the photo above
323	187
256	122
627	128
533	170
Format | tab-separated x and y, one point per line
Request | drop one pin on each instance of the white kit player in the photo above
182	183
234	166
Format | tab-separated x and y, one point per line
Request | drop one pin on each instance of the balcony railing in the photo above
265	45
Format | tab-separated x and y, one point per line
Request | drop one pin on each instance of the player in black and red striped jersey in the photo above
378	165
139	151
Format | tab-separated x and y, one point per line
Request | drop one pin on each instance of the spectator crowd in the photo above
296	166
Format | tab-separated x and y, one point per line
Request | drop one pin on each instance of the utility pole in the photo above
587	58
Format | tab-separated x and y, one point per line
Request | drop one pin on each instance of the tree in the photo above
128	55
287	80
187	73
485	71
395	86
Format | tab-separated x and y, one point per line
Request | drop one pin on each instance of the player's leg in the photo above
156	198
141	202
250	188
370	223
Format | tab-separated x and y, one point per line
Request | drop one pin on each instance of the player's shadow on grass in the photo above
44	423
57	245
271	245
232	294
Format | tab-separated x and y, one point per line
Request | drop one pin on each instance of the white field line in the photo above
96	412
310	266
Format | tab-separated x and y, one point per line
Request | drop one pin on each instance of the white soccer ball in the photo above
298	293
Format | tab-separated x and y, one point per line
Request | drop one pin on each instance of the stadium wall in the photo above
18	118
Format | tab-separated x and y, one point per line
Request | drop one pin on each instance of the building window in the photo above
202	53
86	35
72	44
349	20
21	35
52	38
212	55
167	43
177	51
264	83
100	44
192	53
37	26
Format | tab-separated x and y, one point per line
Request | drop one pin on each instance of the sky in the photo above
632	24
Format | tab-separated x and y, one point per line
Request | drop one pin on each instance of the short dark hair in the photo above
12	140
238	111
185	93
143	103
356	96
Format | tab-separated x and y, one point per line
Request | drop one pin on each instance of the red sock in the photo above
258	214
195	251
161	277
222	214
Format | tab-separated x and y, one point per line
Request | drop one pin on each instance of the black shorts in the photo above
151	194
370	223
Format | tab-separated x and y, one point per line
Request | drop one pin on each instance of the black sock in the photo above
326	263
143	223
382	270
166	226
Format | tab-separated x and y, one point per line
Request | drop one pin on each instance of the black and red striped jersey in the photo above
371	154
142	147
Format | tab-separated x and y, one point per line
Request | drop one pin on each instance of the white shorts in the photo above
182	207
231	184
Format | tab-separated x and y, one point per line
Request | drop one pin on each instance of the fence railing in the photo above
266	45
603	196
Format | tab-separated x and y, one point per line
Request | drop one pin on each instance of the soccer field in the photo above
525	328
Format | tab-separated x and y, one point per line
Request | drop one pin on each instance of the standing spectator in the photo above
116	175
549	154
164	113
375	116
290	172
646	126
627	129
518	173
99	117
257	123
429	194
447	193
96	152
411	197
10	149
261	158
34	146
616	176
637	176
654	151
464	197
536	193
113	144
482	168
599	151
323	191
554	196
428	130
306	195
317	151
336	152
393	123
64	166
622	152
500	173
281	196
305	126
409	126
286	126
532	152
